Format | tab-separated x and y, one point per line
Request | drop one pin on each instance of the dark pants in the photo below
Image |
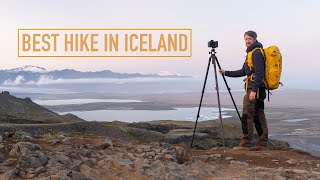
253	113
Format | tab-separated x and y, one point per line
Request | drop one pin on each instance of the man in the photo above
253	101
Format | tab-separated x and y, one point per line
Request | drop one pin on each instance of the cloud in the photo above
19	80
47	80
167	73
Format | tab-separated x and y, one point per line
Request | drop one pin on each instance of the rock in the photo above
318	165
59	177
214	157
229	158
264	175
197	169
22	148
117	149
140	164
74	175
275	160
151	154
107	144
84	146
278	177
62	134
27	138
182	155
155	172
143	148
314	175
21	134
115	163
31	164
1	138
125	162
131	156
238	164
9	162
89	172
137	163
85	150
67	140
176	136
63	159
172	165
39	170
156	164
209	169
4	169
88	161
10	174
299	171
217	155
9	134
55	141
1	146
292	162
169	157
1	157
76	165
165	145
140	155
309	162
213	149
32	160
191	177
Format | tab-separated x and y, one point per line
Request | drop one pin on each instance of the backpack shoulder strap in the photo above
249	57
261	50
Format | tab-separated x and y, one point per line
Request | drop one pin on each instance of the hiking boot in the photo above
245	144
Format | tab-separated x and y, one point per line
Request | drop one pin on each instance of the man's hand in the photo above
252	96
221	71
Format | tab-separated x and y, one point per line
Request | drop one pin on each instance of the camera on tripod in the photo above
213	44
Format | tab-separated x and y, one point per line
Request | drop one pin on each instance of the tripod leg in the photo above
218	96
225	81
203	89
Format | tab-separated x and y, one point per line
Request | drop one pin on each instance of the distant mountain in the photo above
29	68
30	74
22	111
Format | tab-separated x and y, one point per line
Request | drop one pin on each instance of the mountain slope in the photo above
17	110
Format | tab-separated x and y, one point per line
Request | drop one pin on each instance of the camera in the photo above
213	44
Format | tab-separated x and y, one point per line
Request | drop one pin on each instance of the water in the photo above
302	139
296	120
308	146
80	101
187	114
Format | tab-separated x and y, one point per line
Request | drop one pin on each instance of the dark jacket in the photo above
258	68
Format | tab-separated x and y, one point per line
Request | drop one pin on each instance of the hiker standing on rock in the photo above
253	101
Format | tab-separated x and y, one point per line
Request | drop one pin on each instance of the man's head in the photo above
250	37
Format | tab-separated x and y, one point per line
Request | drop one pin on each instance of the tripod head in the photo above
212	51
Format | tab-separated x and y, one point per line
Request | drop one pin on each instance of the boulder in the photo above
107	144
182	155
22	148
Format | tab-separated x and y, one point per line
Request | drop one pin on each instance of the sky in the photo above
292	25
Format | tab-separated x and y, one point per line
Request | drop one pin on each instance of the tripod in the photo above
214	60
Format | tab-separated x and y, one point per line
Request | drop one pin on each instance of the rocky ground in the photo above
77	156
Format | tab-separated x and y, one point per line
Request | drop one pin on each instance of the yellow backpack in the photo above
273	60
